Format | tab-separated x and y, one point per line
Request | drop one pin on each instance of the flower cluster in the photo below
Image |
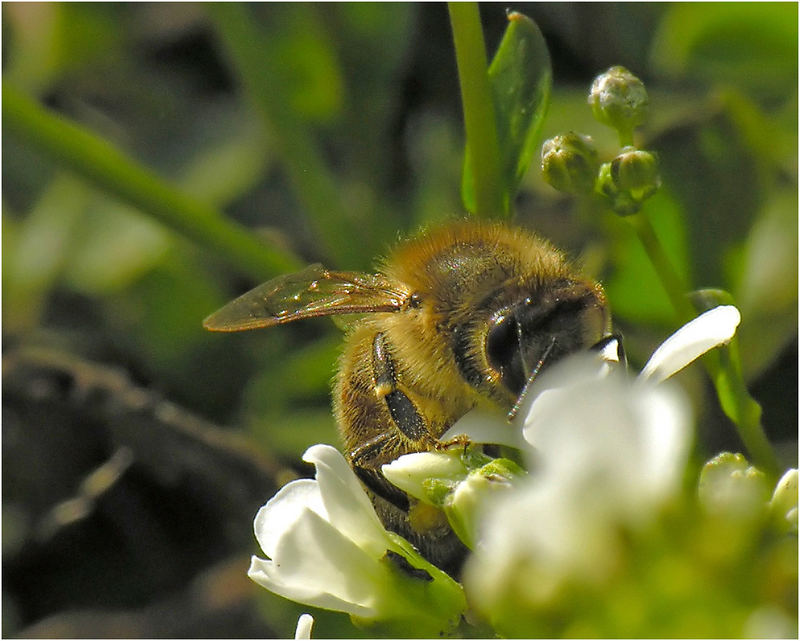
600	516
570	162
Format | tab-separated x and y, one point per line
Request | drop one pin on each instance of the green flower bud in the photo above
636	172
620	201
628	180
619	100
709	298
570	163
462	505
729	484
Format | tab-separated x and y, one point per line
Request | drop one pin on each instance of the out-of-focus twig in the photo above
97	483
170	443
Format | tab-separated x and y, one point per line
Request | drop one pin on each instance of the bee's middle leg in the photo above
401	408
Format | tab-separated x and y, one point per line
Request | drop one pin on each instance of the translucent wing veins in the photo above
314	291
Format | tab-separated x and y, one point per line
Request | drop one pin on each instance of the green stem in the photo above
723	364
673	284
94	159
312	182
625	137
724	367
480	122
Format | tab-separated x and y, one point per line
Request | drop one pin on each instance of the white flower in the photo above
327	548
607	454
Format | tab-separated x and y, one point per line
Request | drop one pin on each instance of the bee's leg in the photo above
371	448
402	410
379	486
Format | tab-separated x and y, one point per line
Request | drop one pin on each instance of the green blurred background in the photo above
136	446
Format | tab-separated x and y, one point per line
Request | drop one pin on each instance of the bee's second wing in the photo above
315	291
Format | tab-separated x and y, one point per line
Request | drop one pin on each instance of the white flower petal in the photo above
318	565
283	509
264	573
304	624
713	328
347	506
628	441
665	424
570	373
485	427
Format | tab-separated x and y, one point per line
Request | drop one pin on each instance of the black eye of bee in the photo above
503	349
501	340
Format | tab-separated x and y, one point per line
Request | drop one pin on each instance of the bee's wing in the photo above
315	291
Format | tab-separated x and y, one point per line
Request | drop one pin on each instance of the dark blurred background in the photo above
137	447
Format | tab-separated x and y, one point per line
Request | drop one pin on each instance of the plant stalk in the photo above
99	162
480	122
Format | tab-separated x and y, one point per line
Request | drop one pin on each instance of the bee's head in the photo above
539	329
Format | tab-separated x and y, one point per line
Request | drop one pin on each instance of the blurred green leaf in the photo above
766	286
307	374
747	44
520	77
114	248
313	182
229	168
304	58
36	249
698	163
52	38
291	432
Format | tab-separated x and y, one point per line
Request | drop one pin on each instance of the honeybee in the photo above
462	316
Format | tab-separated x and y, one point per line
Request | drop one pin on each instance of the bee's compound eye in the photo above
502	342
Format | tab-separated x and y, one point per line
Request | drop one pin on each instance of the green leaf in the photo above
520	77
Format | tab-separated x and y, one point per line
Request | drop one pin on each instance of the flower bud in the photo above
728	484
619	99
636	171
784	499
463	504
620	201
570	163
458	482
628	180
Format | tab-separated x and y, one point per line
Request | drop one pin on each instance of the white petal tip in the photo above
711	329
304	625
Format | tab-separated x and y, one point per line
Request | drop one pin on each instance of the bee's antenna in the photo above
521	351
534	374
